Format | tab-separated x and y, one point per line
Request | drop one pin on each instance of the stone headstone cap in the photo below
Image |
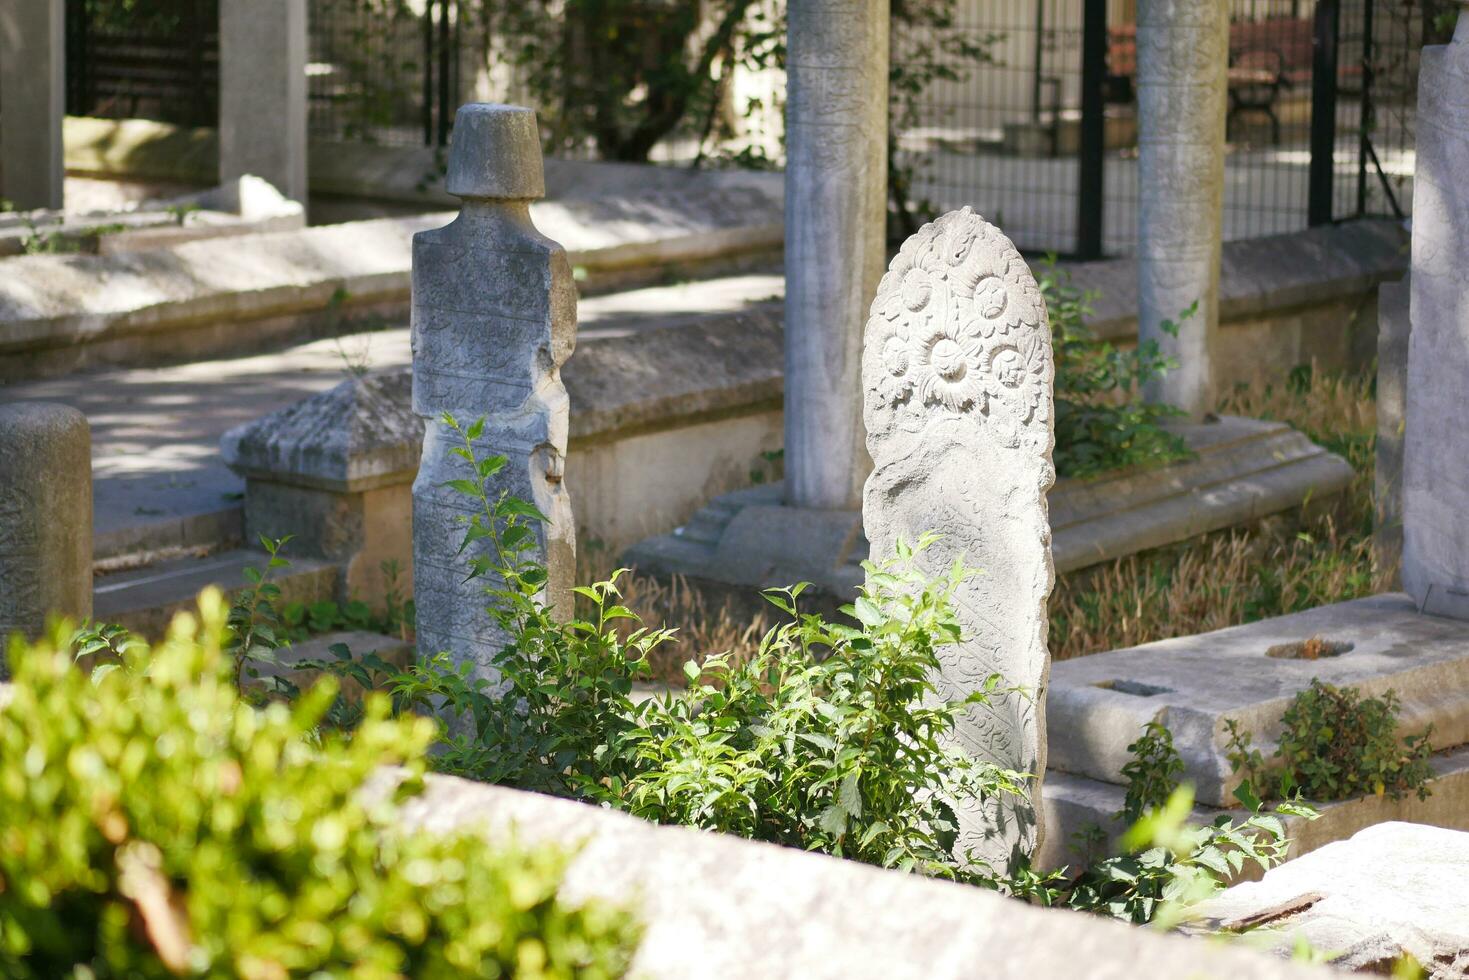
495	153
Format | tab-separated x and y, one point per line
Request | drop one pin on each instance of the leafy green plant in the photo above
1166	864
157	825
1152	772
1102	422
830	738
394	617
1336	744
1169	865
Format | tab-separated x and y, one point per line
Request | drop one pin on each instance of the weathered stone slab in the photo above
244	206
1436	444
722	908
1075	805
1244	470
956	377
494	318
45	516
1099	704
1391	890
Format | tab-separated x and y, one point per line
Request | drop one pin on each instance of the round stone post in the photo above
494	318
1435	440
835	221
45	517
1182	89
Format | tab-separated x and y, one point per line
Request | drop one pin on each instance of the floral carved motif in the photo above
958	326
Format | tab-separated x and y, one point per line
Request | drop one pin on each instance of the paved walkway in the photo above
155	431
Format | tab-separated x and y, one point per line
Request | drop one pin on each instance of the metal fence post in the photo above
1090	190
1319	203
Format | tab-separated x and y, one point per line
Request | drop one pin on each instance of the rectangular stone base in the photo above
1074	803
1250	674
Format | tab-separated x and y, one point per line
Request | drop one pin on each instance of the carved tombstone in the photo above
1436	441
494	318
45	517
957	380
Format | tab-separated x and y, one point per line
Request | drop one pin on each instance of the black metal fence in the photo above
158	60
385	73
1043	140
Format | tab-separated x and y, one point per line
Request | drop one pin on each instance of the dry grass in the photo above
1243	576
702	627
1227	579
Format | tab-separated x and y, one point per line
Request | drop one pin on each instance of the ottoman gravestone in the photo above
1436	441
957	382
45	517
494	318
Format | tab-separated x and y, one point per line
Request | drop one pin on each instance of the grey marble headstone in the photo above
957	376
1436	439
494	318
45	517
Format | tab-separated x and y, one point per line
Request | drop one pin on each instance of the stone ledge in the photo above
144	600
1263	276
63	313
721	907
1097	705
363	434
1245	470
1074	803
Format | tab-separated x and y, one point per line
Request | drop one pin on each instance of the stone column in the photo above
835	218
45	517
1436	441
494	318
32	102
1182	61
262	92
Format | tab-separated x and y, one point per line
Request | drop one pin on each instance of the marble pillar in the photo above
1182	92
835	219
262	93
1436	438
32	102
494	319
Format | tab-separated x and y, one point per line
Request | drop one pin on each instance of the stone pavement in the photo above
159	478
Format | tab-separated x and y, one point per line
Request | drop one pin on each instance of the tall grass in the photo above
1224	580
1243	575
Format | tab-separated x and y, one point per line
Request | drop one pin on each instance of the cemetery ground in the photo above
169	514
568	568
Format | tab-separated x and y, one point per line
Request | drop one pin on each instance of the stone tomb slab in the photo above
1097	705
1390	890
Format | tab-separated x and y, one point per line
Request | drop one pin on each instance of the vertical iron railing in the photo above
1324	79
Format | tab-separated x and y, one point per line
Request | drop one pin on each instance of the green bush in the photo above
1335	745
830	738
1102	423
152	824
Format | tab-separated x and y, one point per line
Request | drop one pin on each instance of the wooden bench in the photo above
1266	58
